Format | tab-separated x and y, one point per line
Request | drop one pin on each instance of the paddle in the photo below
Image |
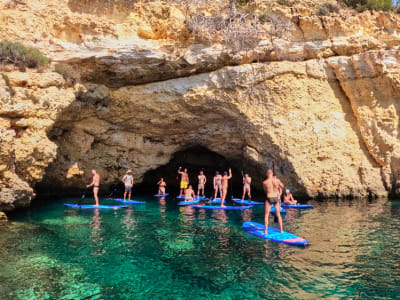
83	197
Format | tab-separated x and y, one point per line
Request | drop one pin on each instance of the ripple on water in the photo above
159	251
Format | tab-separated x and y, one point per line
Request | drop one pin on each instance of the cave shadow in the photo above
196	159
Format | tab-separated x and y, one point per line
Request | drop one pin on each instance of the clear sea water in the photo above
162	251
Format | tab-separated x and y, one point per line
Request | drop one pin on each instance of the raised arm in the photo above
230	174
179	170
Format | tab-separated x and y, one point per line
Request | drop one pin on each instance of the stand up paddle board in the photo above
161	195
223	208
274	234
130	201
298	206
215	201
189	202
246	202
94	206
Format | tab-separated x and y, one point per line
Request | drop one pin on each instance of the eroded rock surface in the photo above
317	95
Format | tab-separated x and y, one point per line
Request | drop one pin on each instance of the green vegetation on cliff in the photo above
21	56
369	4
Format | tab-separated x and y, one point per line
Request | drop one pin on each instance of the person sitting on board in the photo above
189	194
217	185
161	186
246	186
288	198
128	182
184	180
225	183
96	185
271	188
202	182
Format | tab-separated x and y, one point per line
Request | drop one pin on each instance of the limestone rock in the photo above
3	217
319	95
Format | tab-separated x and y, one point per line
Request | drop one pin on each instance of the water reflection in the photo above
163	204
95	234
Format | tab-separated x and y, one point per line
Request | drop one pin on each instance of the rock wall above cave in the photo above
318	95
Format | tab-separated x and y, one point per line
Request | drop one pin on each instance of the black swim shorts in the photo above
272	200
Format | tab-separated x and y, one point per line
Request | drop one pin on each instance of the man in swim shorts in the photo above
128	182
246	186
189	194
225	183
271	188
217	184
202	182
184	180
288	198
161	186
96	185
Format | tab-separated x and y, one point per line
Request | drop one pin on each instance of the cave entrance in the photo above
195	159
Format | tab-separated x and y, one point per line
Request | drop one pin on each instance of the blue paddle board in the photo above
274	234
180	197
189	202
160	195
298	206
273	210
215	201
130	201
94	206
224	208
246	202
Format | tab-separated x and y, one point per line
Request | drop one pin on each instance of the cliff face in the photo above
317	95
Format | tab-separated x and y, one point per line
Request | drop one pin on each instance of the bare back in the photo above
189	193
271	187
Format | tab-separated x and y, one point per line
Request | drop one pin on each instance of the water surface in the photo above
162	251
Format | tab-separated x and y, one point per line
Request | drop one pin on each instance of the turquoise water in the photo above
162	251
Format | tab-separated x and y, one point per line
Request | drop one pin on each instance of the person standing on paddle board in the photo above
288	198
225	183
96	185
184	180
271	186
189	194
202	182
128	182
217	185
246	186
161	186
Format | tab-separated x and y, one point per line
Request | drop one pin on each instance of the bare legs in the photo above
224	192
129	195
278	215
245	189
217	189
95	193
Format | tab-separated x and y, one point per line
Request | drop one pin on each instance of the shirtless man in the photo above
217	185
246	186
225	184
128	182
161	186
202	181
271	188
96	185
184	180
189	194
288	198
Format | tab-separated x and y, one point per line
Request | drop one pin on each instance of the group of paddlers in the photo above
272	187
